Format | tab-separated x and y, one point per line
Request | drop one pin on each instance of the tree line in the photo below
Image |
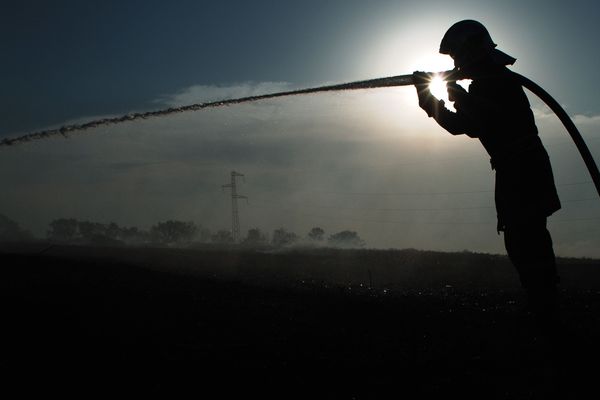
172	233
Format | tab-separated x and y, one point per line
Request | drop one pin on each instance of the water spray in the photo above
66	130
392	81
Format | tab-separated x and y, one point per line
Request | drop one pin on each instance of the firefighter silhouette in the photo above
496	111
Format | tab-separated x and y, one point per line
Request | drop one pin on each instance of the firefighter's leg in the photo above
529	247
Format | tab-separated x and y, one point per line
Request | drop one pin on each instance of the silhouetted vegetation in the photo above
173	232
282	237
316	234
222	237
11	231
347	239
166	233
103	234
71	230
255	238
63	230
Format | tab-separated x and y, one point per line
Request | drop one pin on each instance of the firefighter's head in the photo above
469	43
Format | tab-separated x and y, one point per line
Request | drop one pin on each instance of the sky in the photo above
369	161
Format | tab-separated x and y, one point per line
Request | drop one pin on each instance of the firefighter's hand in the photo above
427	102
421	79
455	91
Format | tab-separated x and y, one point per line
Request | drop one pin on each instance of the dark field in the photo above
351	324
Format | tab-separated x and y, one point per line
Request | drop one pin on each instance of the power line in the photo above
417	209
385	209
392	222
425	193
576	200
434	193
405	193
284	210
575	183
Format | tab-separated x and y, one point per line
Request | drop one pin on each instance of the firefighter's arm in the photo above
455	123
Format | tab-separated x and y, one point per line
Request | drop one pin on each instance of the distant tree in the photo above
63	229
222	237
345	239
173	232
90	231
316	234
204	235
113	231
137	236
133	235
100	234
11	231
281	237
255	237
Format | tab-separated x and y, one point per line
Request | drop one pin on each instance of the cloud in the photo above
586	119
208	93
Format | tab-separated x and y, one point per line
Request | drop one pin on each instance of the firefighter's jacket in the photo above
496	111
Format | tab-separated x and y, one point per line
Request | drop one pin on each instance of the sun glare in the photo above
435	63
438	88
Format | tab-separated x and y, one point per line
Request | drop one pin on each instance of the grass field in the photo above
351	324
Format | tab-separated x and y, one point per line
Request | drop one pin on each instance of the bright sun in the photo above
438	88
439	63
435	63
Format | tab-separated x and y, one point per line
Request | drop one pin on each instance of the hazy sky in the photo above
369	161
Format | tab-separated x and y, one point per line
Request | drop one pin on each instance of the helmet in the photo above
467	35
470	40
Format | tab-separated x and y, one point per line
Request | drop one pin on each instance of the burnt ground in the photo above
303	324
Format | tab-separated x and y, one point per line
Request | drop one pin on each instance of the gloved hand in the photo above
421	78
455	91
427	101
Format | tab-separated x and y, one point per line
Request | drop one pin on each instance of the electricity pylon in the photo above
235	217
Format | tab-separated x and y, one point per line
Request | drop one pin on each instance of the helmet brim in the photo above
501	58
